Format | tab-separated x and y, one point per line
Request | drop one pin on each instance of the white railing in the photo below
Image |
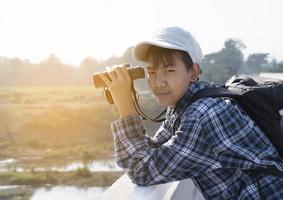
272	75
124	189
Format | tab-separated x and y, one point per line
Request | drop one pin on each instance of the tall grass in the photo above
58	117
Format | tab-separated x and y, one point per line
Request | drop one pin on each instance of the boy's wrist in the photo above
124	112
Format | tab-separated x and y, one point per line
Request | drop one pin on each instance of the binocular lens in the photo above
136	72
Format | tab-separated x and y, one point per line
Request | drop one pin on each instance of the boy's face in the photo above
169	82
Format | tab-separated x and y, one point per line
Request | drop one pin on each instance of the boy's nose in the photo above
160	81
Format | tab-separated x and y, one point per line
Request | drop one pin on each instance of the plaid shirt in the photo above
213	141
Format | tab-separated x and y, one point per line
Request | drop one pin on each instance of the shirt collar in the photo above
183	102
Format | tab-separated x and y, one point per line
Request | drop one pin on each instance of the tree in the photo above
276	67
220	66
50	70
231	56
87	67
256	62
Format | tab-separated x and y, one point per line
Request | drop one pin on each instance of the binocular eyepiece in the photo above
136	72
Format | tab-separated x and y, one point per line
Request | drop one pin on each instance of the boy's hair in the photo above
165	56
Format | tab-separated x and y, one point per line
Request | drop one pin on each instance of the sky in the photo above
76	29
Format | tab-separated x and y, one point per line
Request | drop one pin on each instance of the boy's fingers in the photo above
126	73
119	72
112	75
112	72
105	79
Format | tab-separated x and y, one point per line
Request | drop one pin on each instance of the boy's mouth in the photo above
161	93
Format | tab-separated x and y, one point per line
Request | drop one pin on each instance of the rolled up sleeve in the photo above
183	156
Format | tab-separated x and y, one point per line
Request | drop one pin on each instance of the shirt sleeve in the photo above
161	136
185	155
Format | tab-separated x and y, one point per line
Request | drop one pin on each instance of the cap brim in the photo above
140	50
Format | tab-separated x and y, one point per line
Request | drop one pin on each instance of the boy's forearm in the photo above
127	112
126	109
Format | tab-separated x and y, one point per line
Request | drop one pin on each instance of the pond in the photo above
94	166
67	192
59	191
51	193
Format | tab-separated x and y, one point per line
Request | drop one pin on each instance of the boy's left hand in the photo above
119	84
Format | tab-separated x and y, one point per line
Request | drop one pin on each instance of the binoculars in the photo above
136	72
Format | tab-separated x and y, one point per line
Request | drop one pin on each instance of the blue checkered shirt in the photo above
213	141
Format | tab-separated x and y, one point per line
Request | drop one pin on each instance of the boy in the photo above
212	141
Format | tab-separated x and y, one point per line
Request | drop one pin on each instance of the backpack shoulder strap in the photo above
213	92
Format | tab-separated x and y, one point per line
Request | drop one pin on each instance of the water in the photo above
7	161
55	193
95	166
61	192
8	187
68	192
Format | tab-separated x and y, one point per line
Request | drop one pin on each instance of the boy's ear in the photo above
195	72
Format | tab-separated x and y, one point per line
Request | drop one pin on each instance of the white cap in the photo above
281	112
170	38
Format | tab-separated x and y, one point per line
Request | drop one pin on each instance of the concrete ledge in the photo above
124	189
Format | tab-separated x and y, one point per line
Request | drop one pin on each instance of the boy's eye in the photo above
151	72
169	70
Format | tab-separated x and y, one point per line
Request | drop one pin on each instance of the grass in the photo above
57	124
41	118
80	178
60	118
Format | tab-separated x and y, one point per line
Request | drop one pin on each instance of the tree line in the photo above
220	66
216	67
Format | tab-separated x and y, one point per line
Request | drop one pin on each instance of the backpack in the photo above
261	100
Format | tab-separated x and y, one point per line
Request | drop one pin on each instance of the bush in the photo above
82	172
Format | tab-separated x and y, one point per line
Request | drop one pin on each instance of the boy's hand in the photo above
119	84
